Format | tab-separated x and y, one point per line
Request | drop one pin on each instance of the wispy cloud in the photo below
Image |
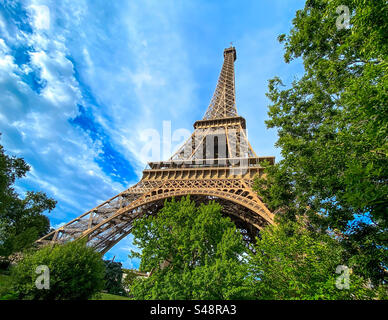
40	94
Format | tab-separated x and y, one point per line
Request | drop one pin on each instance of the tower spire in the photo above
223	102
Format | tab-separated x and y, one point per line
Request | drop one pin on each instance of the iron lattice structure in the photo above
216	163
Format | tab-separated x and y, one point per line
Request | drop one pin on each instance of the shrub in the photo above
75	272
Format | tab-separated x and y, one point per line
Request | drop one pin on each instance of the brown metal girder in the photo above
197	147
250	147
268	213
112	232
110	225
81	216
55	233
137	203
113	242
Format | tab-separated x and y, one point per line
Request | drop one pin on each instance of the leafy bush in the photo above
75	272
5	287
293	261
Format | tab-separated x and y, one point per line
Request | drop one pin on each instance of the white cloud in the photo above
144	76
41	16
36	127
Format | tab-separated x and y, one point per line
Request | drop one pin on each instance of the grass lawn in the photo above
108	296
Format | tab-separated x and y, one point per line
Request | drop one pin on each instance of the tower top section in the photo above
223	102
231	50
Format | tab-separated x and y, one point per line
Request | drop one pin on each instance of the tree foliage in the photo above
75	272
192	253
21	220
129	277
293	261
332	127
114	278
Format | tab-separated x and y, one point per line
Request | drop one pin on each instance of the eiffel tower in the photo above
216	163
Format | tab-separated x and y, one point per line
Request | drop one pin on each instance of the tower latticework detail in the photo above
217	162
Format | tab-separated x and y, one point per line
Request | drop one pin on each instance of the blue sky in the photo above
81	81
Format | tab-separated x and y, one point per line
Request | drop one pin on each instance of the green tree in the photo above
332	128
114	278
192	253
75	272
293	261
21	220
